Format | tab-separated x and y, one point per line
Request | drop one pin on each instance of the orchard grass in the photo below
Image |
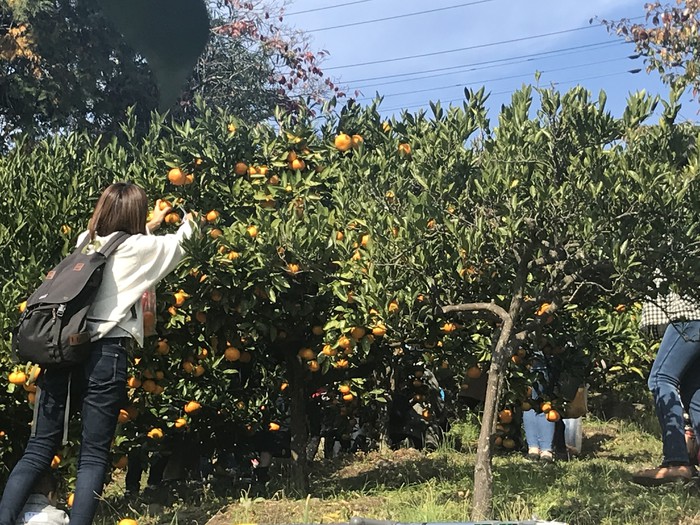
410	486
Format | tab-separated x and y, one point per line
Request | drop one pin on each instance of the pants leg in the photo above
679	349
53	390
545	432
531	430
105	390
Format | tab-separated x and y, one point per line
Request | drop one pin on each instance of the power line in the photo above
468	48
575	81
344	4
465	69
605	43
510	77
395	17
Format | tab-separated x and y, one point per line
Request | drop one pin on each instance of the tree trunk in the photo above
483	475
298	427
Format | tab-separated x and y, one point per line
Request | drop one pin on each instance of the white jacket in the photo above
39	511
134	267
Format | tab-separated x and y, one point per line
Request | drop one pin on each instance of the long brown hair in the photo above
123	206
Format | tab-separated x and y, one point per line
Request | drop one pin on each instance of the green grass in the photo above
409	486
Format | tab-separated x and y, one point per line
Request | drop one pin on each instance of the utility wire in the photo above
491	66
575	81
510	77
395	17
574	49
344	4
468	48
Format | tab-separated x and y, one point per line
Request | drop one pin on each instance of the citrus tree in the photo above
329	245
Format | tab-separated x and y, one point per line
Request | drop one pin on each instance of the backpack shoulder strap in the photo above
114	243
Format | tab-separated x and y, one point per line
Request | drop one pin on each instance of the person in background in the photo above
40	508
674	382
115	318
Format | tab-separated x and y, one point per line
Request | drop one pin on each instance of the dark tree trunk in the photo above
298	425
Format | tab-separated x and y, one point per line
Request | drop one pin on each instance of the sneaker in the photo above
654	477
547	456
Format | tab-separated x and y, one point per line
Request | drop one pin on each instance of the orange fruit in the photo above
448	327
393	306
344	342
274	180
177	177
426	414
307	354
364	240
405	149
155	433
22	306
313	365
379	330
123	416
189	178
180	422
188	367
284	386
216	295
553	415
348	397
31	397
215	233
56	461
546	406
297	164
252	230
128	521
201	317
341	363
241	168
246	357
343	142
212	216
199	370
69	500
172	218
344	389
505	416
293	268
329	350
162	347
474	372
509	443
180	297
17	377
232	354
192	407
543	309
149	386
357	333
357	141
273	427
317	330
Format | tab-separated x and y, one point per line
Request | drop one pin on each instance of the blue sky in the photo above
590	57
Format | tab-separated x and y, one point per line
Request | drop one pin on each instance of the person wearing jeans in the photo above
98	386
539	433
674	382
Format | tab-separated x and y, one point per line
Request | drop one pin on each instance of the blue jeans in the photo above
101	384
674	382
539	432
